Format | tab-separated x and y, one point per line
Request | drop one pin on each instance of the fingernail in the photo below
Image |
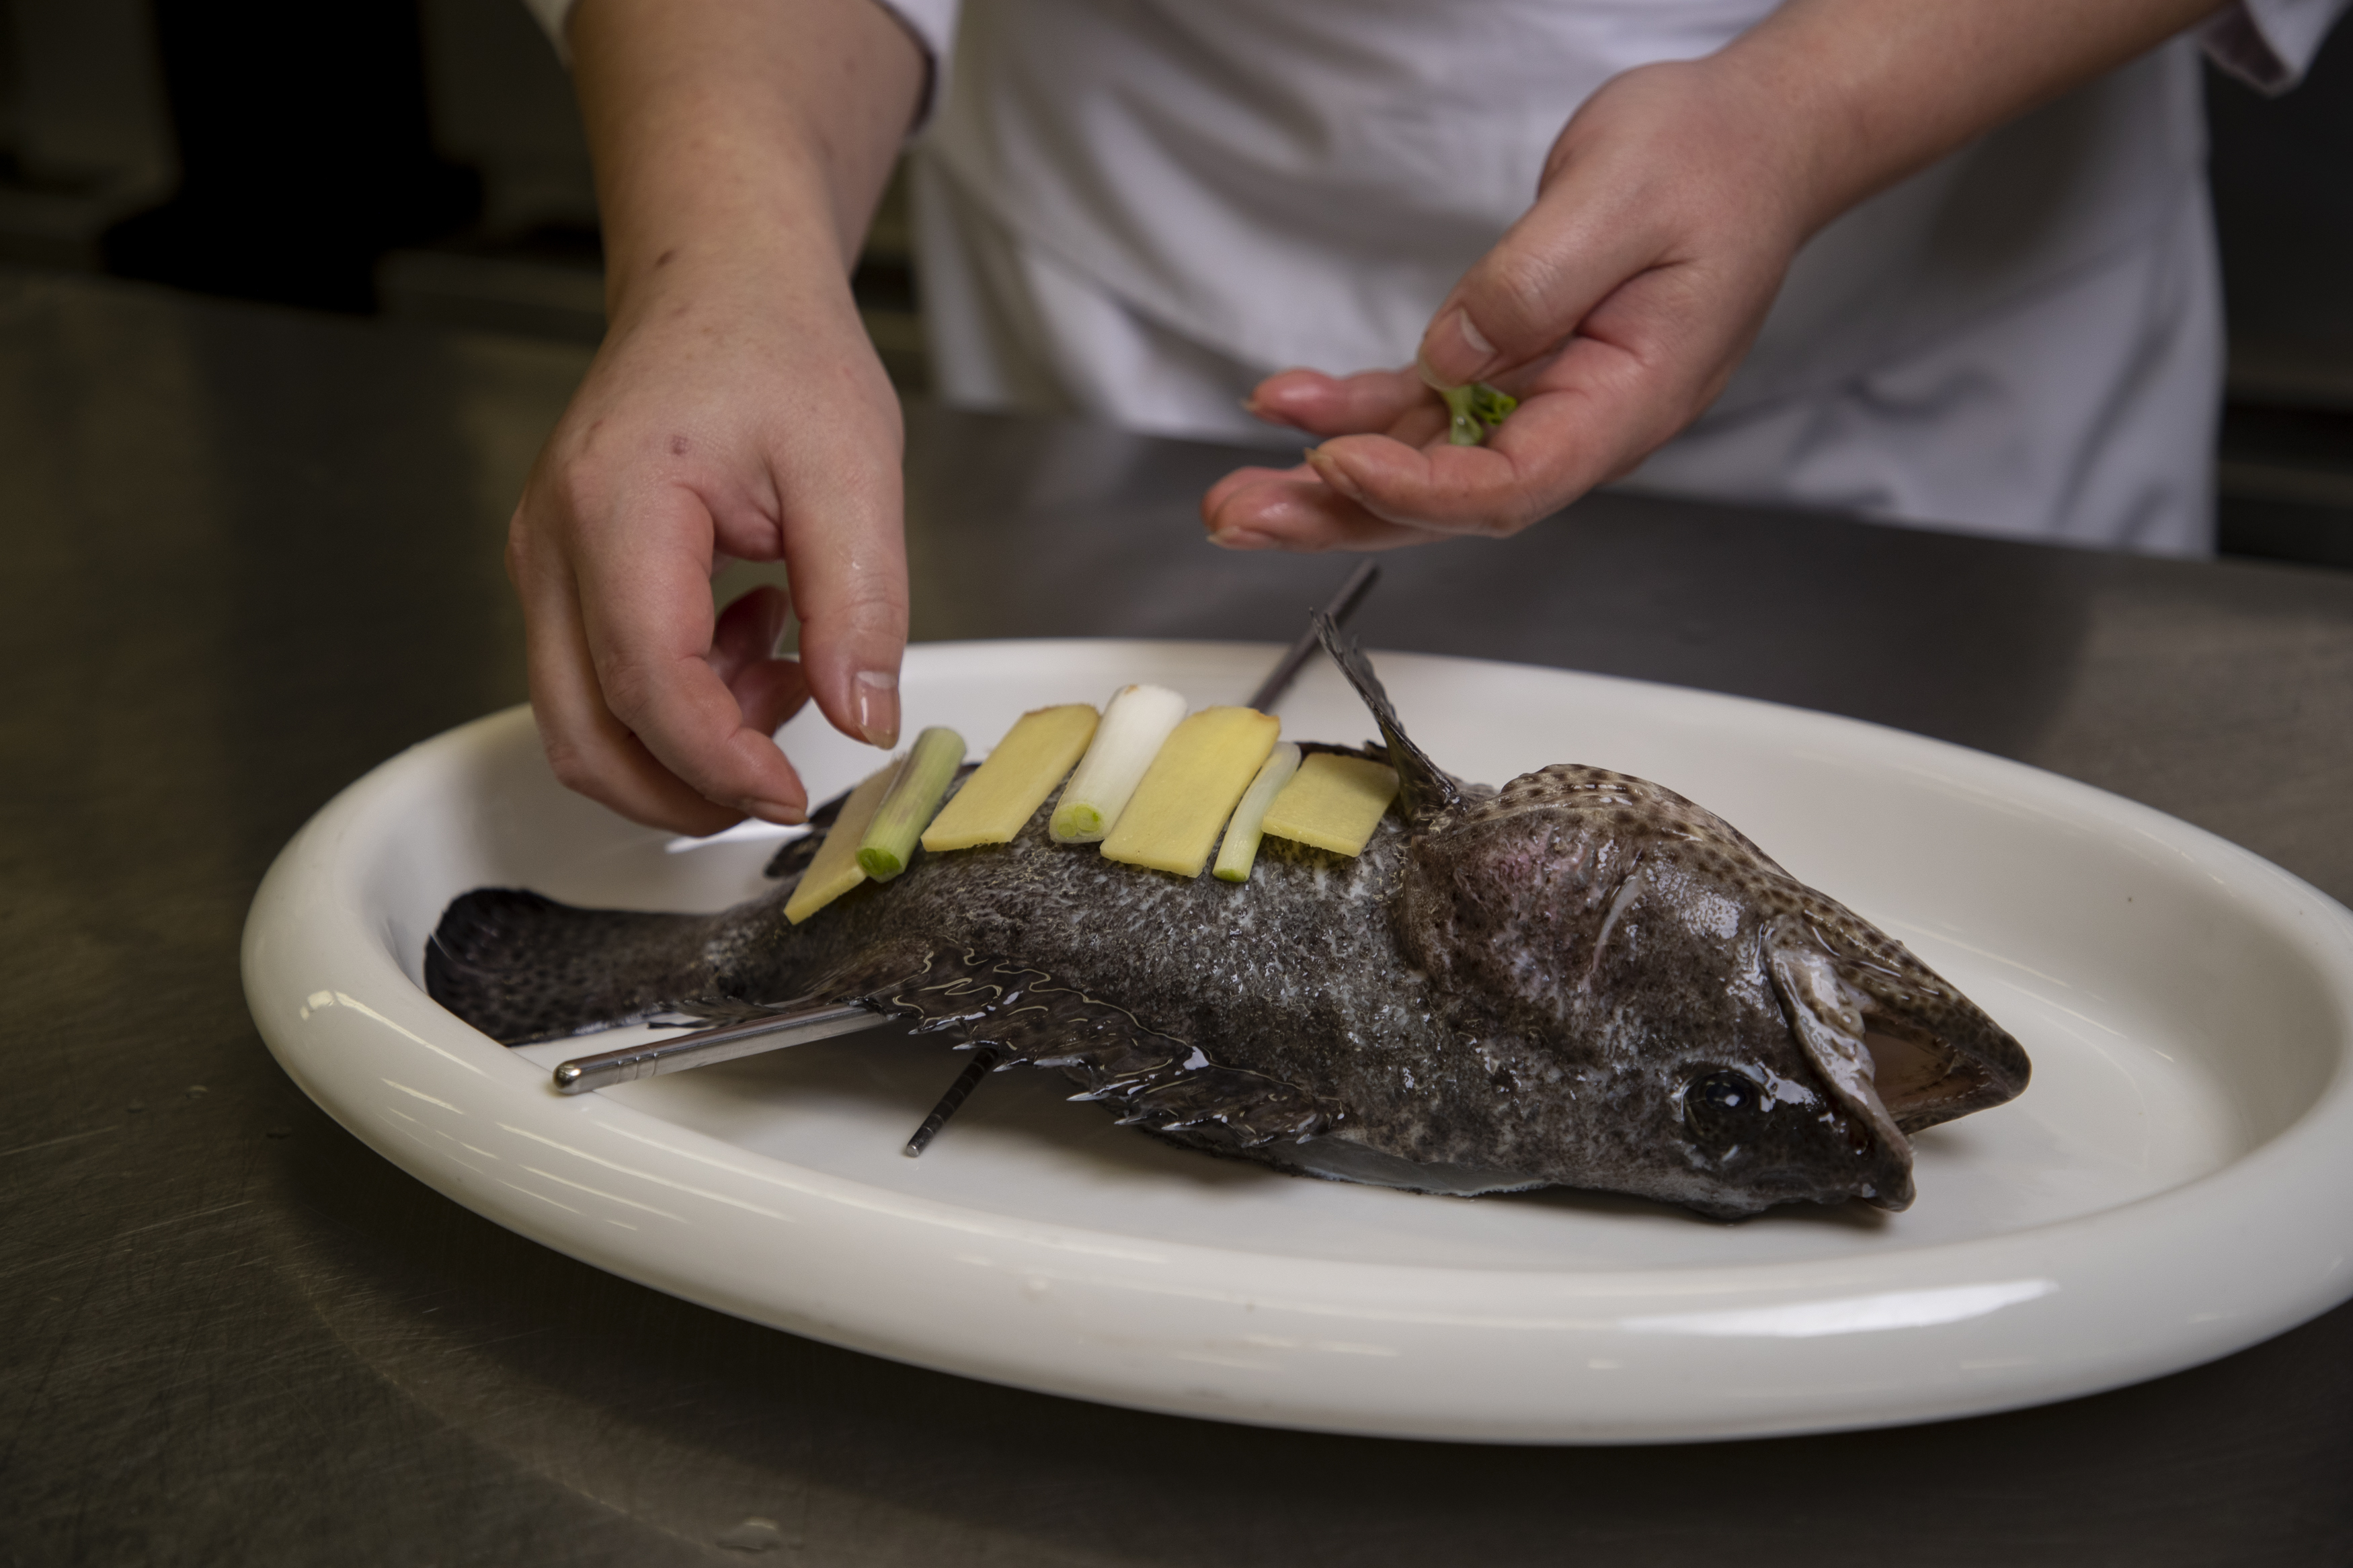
1327	469
876	698
1239	538
791	816
1472	335
1475	354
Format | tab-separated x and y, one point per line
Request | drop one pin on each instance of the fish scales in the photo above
1581	978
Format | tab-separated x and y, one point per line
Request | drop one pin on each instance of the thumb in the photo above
1525	297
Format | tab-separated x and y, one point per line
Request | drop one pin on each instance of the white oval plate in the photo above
2177	1182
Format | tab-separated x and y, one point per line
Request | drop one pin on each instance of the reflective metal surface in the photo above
720	1043
251	553
1351	593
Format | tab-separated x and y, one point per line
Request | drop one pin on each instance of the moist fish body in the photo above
1581	979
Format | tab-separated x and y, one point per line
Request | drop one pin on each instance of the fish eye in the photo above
1721	1106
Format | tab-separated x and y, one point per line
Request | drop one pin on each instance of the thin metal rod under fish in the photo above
724	1042
1343	603
1270	691
984	1062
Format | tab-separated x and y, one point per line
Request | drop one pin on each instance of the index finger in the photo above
846	552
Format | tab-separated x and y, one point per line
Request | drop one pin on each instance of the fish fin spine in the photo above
1424	787
1157	1081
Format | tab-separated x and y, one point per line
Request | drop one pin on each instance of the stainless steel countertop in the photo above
250	554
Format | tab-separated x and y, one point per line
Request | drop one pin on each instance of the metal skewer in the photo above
1270	691
984	1062
724	1044
1286	670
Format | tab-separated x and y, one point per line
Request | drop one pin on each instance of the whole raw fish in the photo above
1580	979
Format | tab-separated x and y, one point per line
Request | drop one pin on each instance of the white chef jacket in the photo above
1135	209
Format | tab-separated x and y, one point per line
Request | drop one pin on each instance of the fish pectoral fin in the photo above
1160	1083
1232	1107
1154	1080
1827	1023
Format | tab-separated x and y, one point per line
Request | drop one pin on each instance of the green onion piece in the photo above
1474	410
1243	833
1491	405
1462	427
914	798
1135	723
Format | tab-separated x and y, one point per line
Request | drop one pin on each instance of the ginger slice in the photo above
834	869
1333	803
1173	820
1005	792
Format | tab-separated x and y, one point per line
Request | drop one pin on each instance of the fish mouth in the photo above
1899	1050
1924	1078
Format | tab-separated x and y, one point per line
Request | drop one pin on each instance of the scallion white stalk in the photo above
1240	848
1137	720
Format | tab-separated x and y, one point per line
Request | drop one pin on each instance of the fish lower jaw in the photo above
1344	1159
1720	1194
1344	1156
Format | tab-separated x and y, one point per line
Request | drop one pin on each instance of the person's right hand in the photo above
728	415
736	410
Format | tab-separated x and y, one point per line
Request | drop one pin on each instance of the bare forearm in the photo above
724	129
1873	89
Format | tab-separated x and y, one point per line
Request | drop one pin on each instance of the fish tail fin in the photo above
521	967
1423	787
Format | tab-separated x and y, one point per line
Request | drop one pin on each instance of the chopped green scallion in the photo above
923	779
1475	410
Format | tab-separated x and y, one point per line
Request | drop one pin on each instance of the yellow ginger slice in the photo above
1005	792
1333	803
1173	820
834	869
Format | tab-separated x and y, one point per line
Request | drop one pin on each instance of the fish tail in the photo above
1424	788
521	967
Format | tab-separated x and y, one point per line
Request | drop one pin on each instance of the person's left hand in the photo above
1615	310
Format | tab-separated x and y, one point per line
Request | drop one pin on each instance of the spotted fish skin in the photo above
1634	944
1295	975
1580	979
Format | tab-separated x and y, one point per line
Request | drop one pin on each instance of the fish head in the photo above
1731	1040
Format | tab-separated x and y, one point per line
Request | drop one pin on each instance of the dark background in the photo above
422	159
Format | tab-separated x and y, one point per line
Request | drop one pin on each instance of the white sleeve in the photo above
2269	44
931	22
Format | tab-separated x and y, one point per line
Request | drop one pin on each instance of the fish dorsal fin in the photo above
1423	788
